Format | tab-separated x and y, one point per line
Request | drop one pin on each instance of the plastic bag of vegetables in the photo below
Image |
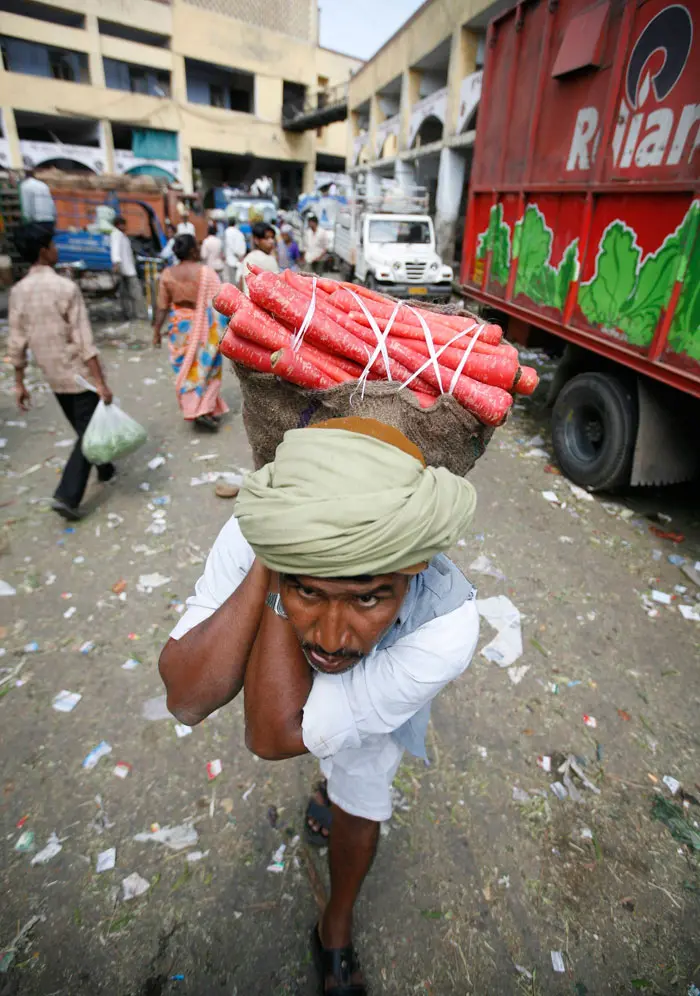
111	434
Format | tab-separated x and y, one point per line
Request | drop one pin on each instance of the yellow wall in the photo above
196	34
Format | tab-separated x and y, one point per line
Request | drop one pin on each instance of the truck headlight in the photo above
397	265
434	266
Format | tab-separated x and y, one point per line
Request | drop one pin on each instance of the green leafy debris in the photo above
681	829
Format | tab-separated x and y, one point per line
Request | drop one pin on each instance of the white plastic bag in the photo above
111	434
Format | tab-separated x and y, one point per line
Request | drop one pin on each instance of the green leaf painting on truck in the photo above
629	294
496	239
601	298
684	334
532	251
532	245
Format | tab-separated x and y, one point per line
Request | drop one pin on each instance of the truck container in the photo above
583	220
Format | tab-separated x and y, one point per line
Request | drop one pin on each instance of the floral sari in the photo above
193	339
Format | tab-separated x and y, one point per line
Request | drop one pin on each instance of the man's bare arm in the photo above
278	681
205	668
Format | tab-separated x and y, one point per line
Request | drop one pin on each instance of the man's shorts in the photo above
359	778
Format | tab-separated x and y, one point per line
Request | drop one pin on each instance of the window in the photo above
39	60
405	232
137	79
229	89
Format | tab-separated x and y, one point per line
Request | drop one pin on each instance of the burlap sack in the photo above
447	434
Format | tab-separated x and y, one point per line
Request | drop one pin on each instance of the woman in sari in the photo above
194	329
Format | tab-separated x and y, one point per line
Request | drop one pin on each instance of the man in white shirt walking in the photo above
36	202
123	266
316	242
328	598
212	250
234	252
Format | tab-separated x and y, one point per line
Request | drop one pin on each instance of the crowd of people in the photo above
48	316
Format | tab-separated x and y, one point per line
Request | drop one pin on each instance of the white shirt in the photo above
185	228
122	253
36	201
348	718
265	260
234	245
212	252
315	244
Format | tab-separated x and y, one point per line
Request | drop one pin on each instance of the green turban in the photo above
339	503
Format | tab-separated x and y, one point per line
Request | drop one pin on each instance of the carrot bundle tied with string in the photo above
319	333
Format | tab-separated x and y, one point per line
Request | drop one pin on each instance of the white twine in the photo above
299	337
381	336
436	354
380	347
431	348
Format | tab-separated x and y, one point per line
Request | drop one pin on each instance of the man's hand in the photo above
24	399
105	394
115	268
157	339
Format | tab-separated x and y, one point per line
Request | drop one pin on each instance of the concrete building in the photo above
168	87
413	108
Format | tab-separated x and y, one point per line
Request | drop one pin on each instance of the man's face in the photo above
339	621
313	225
121	225
266	243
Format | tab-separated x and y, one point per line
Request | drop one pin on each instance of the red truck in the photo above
583	221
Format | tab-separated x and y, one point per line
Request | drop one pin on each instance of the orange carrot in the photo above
245	352
227	299
344	300
292	367
501	371
528	381
442	334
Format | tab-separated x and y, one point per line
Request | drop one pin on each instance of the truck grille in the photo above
415	271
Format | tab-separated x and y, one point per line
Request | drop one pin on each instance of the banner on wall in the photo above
432	106
36	153
469	95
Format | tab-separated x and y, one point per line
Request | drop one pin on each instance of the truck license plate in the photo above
417	290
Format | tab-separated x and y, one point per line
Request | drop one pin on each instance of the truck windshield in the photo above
243	209
393	230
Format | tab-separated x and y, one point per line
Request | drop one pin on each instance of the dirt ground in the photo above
482	873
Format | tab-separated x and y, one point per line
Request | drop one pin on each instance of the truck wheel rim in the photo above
585	433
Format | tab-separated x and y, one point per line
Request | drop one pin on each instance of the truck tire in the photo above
370	282
594	430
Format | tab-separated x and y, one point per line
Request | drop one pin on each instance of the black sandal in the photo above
320	813
338	962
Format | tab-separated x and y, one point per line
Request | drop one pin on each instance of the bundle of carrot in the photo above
455	355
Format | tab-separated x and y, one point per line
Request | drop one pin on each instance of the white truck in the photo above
387	242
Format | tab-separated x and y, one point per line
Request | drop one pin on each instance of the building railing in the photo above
327	99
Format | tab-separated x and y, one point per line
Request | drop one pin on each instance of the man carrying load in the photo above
329	600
